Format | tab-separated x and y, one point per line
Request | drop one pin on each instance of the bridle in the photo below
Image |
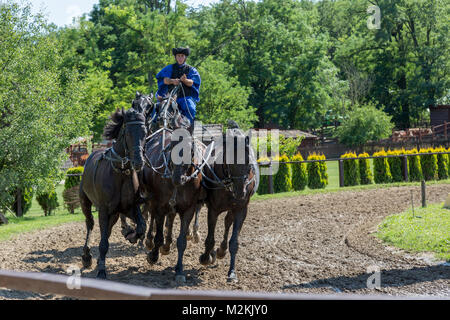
228	182
111	155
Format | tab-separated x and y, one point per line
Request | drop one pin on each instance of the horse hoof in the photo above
101	274
132	237
151	258
149	244
126	231
180	279
87	261
189	236
165	249
213	257
196	237
232	277
220	253
205	259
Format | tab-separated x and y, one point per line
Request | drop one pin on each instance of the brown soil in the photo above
322	243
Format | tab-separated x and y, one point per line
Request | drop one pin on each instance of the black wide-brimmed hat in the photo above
186	51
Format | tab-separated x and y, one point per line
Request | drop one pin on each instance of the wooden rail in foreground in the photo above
47	283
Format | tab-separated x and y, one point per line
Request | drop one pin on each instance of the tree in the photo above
364	124
40	103
222	97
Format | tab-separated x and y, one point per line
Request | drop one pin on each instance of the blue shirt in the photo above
166	72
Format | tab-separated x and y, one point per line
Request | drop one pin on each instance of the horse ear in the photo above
138	94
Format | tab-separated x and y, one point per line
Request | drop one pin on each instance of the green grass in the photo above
35	219
427	231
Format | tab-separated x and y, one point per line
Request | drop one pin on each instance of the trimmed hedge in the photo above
299	176
396	164
351	170
27	198
442	163
48	201
282	179
317	172
365	173
263	187
414	166
429	163
72	181
382	171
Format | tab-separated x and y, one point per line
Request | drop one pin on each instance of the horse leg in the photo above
86	207
186	218
106	222
165	249
239	217
209	256
146	213
153	255
127	230
196	233
222	250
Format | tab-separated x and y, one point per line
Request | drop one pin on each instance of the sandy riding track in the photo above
321	243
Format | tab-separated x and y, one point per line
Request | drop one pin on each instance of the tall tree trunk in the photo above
3	219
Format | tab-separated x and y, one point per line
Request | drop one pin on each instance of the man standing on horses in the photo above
180	72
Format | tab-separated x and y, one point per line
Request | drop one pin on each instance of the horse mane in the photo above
112	129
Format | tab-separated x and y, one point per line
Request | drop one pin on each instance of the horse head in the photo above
238	162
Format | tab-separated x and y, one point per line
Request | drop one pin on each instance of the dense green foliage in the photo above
299	175
365	173
429	163
351	169
382	171
396	165
317	172
414	166
282	181
443	163
73	177
364	124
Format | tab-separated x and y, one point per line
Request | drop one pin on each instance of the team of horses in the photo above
166	172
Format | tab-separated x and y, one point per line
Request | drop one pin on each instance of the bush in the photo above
351	169
289	146
429	164
71	189
72	181
282	179
317	172
263	187
396	164
365	173
414	166
442	163
364	124
299	176
27	197
48	201
382	172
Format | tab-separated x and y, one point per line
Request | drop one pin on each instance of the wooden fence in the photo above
46	283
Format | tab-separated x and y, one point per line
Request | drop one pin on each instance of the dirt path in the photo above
319	243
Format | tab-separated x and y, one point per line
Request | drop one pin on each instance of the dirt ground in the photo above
322	243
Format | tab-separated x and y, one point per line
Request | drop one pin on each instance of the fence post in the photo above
270	178
424	196
405	168
341	173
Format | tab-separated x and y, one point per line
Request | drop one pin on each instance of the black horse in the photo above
110	180
174	185
230	183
